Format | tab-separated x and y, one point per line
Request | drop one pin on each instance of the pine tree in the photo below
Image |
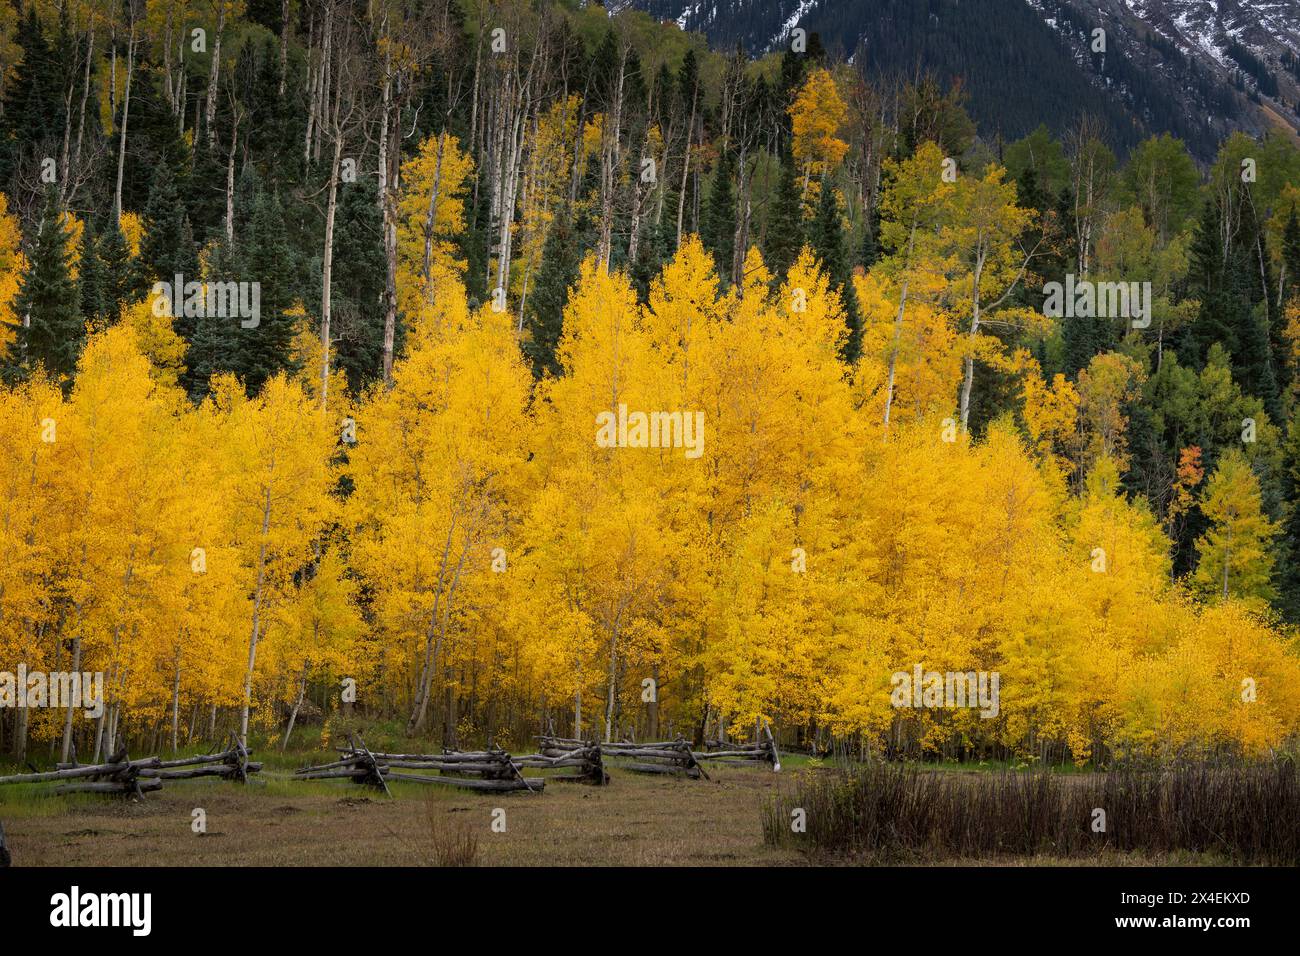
357	327
783	235
33	109
266	259
827	240
213	343
51	332
544	321
121	274
1291	252
1232	310
473	243
90	276
165	248
719	232
869	248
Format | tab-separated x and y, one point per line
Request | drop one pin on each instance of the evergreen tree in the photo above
719	232
357	321
473	243
33	109
167	246
869	248
783	235
1291	253
1232	311
827	241
90	276
47	307
266	259
121	275
561	258
213	344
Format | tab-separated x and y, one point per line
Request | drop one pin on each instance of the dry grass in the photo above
892	813
637	821
453	842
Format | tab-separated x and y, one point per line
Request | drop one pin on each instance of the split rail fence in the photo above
121	775
488	770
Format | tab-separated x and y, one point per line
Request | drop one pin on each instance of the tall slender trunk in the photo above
297	704
85	93
214	77
898	324
176	702
257	622
969	380
67	717
686	165
327	268
230	183
126	110
284	45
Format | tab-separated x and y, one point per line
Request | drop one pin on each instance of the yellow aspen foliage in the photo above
545	181
816	115
132	227
12	265
1051	411
1234	551
704	522
156	338
430	214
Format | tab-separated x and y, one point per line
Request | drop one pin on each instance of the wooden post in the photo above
771	743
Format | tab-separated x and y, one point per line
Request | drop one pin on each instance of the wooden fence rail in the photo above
121	775
487	770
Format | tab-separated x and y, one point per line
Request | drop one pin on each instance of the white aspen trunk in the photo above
686	166
67	717
970	353
176	703
613	679
430	217
312	76
284	45
297	704
898	324
85	93
257	623
431	646
214	76
126	110
230	184
327	268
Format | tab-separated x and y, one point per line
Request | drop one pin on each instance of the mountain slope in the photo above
1169	65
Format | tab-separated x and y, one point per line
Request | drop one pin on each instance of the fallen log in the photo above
224	771
535	784
90	770
112	786
202	758
692	772
351	773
